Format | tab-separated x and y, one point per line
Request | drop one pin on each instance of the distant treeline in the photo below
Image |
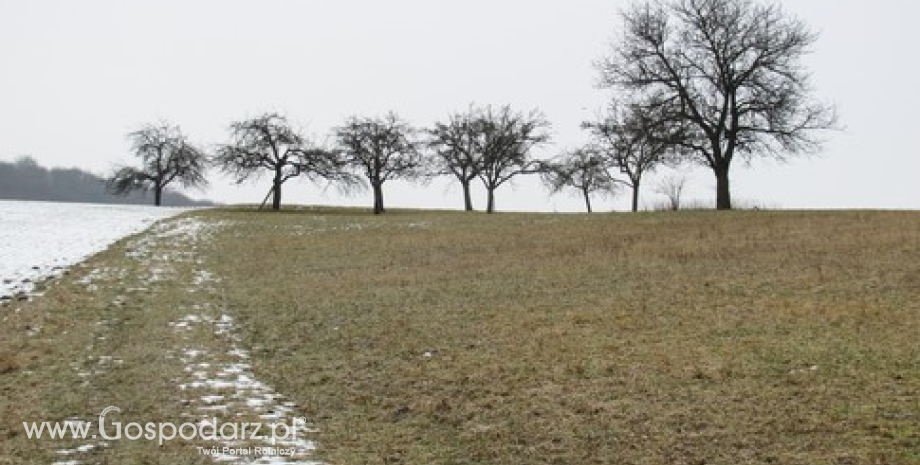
24	179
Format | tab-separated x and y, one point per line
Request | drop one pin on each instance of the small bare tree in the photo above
383	149
672	187
166	157
729	72
456	146
268	143
505	142
583	170
634	141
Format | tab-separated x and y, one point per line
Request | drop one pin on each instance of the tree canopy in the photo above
382	149
268	143
506	142
166	157
730	72
584	170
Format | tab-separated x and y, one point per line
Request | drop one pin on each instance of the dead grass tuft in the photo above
8	363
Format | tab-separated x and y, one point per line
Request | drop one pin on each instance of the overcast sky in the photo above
75	77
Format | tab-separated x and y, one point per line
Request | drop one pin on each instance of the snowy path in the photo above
217	385
40	239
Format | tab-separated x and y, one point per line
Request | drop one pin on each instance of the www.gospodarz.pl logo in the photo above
160	432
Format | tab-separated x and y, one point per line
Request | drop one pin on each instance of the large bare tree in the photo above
166	157
456	149
268	143
730	71
505	144
583	170
634	141
382	149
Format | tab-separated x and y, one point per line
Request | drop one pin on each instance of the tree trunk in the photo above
378	198
467	199
491	200
158	195
276	195
723	191
587	199
635	196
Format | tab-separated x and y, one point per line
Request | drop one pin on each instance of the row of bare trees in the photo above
698	82
490	144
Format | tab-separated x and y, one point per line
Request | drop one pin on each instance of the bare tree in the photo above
268	143
729	71
635	143
383	149
505	143
672	187
456	145
166	157
583	170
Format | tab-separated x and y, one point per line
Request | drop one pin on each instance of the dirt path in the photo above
155	341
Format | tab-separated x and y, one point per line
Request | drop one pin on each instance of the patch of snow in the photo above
81	451
40	240
225	387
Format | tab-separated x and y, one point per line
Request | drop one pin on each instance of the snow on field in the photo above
41	239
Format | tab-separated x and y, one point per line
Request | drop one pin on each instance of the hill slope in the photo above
452	338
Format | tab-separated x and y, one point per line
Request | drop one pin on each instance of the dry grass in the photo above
450	338
57	339
692	338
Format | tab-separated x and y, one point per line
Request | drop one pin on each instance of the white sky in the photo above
75	77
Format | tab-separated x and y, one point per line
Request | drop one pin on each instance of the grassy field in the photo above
451	338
